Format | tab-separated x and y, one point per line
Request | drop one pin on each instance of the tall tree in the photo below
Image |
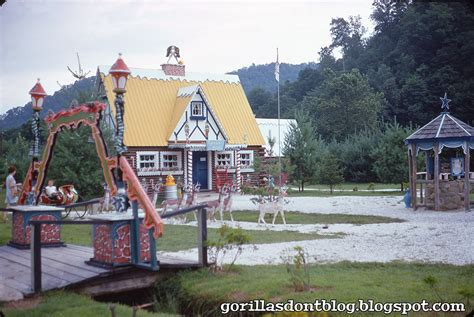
15	153
344	104
390	155
75	161
355	156
348	36
301	148
330	171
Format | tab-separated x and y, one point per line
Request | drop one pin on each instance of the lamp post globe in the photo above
37	96
119	72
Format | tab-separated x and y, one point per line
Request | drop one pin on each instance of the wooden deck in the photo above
65	267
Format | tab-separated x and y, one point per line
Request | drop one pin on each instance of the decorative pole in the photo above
119	72
190	167
277	77
37	97
237	170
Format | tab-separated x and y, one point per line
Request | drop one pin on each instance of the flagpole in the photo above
279	140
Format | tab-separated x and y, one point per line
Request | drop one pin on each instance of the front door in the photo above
200	168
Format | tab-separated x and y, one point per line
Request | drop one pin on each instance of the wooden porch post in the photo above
436	177
237	169
189	166
467	189
35	245
410	178
202	237
413	168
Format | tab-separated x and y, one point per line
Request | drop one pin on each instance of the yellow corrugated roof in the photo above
179	107
150	106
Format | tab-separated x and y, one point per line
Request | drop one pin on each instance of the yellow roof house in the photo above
188	124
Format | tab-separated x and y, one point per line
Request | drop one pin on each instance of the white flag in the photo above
277	69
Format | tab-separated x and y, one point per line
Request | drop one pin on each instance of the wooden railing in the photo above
35	225
202	229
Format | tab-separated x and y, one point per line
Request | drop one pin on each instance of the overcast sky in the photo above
39	38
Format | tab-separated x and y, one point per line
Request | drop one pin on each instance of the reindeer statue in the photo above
192	199
156	192
274	207
227	206
176	203
105	203
218	204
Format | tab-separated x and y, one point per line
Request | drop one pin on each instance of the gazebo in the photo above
446	142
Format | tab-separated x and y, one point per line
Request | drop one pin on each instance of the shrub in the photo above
298	268
228	239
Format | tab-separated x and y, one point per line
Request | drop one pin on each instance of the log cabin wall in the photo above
249	178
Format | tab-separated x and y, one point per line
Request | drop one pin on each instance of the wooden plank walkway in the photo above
62	267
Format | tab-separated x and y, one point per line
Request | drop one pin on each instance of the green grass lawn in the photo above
176	237
344	282
181	237
2	198
349	186
293	217
320	193
67	304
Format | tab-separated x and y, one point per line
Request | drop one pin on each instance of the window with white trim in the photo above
147	163
197	109
246	159
171	160
147	160
224	159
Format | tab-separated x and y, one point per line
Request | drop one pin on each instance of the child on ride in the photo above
51	190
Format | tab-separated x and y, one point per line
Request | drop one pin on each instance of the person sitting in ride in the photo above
51	190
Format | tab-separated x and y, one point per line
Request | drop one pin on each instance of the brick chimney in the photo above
173	69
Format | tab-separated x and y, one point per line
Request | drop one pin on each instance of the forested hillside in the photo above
263	76
417	52
61	99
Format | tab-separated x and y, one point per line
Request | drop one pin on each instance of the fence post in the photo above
202	236
35	245
153	260
135	234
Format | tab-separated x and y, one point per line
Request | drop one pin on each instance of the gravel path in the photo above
426	236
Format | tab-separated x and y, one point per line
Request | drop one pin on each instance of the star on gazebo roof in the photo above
445	102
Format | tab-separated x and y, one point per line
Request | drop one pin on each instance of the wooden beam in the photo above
135	234
202	236
410	178
413	176
35	245
467	168
421	194
436	177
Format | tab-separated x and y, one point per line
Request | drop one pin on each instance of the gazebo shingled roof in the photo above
443	126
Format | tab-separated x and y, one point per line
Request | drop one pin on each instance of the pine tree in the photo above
301	148
330	171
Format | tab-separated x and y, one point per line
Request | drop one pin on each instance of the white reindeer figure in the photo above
105	203
227	206
192	199
156	191
214	205
274	207
176	203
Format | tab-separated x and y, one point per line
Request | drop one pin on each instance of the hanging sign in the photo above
215	145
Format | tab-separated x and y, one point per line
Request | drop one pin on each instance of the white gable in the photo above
197	120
